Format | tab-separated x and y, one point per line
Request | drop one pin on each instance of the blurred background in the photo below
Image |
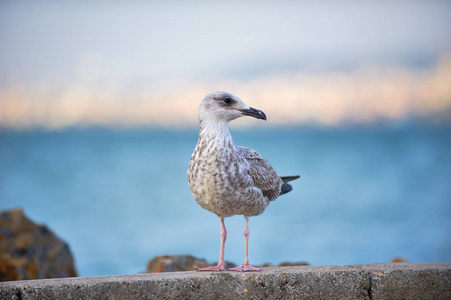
98	119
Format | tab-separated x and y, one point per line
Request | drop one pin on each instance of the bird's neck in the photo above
215	132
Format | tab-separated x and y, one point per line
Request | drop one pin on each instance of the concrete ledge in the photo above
375	281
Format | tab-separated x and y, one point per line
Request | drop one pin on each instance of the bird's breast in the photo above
220	182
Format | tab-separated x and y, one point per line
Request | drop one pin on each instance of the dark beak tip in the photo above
261	115
258	114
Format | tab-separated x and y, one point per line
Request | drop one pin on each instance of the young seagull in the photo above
230	180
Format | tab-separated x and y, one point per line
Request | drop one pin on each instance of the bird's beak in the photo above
258	114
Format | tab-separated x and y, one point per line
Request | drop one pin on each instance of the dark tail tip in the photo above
289	178
286	187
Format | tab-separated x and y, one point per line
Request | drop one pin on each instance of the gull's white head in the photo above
225	107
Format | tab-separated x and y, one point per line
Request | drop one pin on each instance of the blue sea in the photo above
120	197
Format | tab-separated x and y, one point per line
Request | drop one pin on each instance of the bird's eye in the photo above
227	100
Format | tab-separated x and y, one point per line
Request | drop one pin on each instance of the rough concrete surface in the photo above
375	281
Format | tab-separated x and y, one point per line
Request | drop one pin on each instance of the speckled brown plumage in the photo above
227	179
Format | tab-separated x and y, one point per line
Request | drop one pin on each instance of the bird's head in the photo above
225	107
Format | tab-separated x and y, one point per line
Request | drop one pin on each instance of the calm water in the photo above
119	198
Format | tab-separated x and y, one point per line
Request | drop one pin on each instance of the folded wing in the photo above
263	174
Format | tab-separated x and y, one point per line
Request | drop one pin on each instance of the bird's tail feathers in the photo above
286	187
285	179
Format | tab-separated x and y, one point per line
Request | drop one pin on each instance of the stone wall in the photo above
375	281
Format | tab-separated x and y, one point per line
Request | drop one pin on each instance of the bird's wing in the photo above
263	174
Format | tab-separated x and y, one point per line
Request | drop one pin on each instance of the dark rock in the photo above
398	259
31	251
284	264
295	264
265	265
173	263
229	264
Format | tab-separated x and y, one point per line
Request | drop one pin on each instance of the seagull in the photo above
230	180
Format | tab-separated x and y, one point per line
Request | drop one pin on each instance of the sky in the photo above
150	63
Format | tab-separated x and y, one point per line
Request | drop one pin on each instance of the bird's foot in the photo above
245	268
219	267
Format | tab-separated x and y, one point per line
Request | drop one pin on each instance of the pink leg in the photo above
246	267
221	264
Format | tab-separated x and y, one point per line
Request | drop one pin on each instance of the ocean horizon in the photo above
121	197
